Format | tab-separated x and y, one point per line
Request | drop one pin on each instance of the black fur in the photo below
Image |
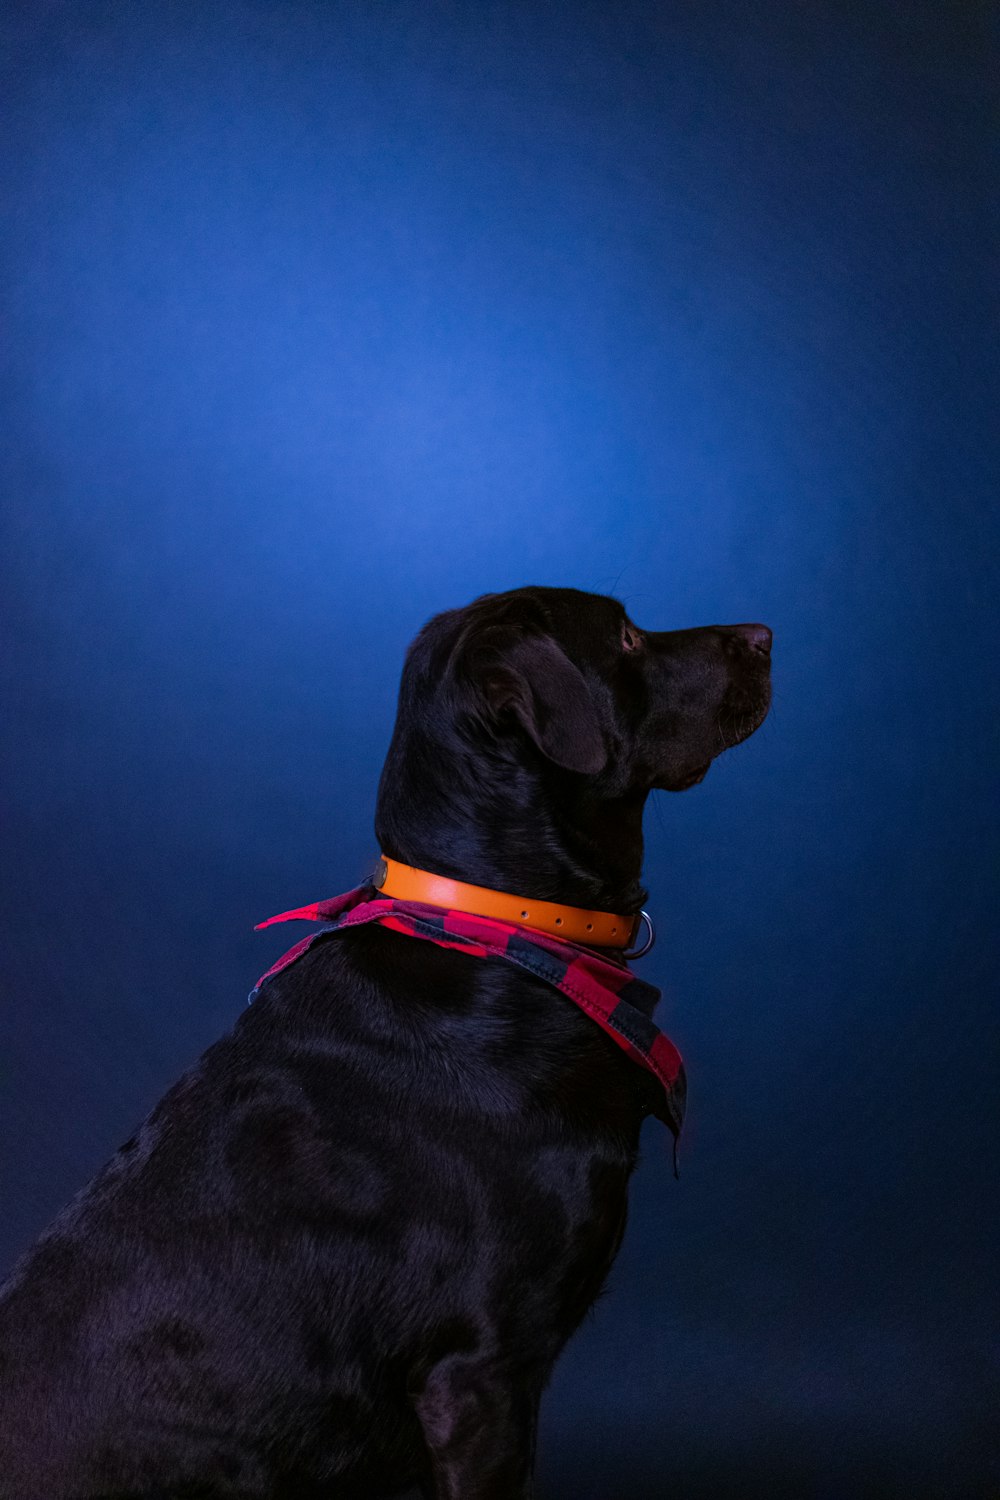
343	1253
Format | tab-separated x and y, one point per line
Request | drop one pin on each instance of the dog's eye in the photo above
630	638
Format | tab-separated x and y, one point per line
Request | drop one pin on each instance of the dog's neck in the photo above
513	834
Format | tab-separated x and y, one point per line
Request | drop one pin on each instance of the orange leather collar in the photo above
594	929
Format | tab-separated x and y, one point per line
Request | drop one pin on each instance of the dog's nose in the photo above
757	637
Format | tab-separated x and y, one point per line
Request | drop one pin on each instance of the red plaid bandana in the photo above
605	991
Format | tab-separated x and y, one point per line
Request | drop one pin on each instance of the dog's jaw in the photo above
683	783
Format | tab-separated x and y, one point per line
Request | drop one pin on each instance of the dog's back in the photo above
394	1154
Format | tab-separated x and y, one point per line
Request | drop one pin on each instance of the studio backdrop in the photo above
323	317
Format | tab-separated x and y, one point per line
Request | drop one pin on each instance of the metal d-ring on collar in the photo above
650	940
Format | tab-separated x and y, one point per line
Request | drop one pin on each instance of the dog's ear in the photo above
539	684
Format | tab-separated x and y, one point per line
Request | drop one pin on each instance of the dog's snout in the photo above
757	637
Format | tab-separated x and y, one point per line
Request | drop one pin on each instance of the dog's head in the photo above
549	709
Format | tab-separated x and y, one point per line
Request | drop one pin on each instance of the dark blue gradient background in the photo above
323	317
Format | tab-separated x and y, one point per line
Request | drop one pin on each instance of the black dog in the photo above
343	1253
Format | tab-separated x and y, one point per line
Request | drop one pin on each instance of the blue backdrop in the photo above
324	317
